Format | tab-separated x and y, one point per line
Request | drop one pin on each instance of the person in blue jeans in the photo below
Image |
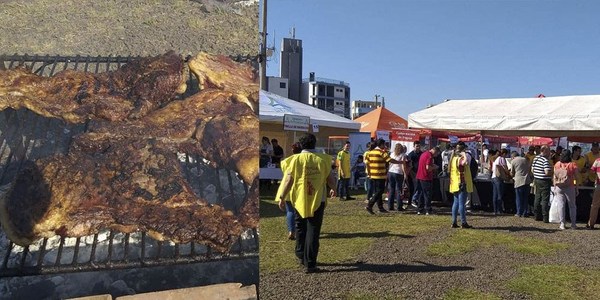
461	183
500	173
520	173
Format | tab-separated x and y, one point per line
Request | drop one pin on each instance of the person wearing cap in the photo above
590	159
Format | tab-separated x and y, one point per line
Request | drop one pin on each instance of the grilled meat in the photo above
130	92
112	183
212	123
220	72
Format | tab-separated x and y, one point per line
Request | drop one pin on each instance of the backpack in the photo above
561	177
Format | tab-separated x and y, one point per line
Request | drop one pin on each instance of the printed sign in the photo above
296	123
315	127
406	135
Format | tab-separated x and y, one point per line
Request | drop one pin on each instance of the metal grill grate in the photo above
27	136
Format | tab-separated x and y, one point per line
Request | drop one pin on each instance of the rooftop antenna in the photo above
293	32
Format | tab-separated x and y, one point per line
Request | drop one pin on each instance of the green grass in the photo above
464	241
347	232
468	294
556	282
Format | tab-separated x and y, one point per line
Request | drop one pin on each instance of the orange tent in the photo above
381	119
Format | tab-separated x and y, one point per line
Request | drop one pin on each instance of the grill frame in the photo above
165	253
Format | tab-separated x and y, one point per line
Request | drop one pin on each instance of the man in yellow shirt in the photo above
376	161
344	174
307	174
590	159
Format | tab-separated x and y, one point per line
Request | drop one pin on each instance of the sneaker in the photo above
401	208
370	210
418	213
589	227
574	227
517	215
291	236
562	226
383	211
466	226
427	214
414	205
454	225
350	198
311	270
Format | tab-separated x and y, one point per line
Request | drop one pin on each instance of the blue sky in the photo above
419	52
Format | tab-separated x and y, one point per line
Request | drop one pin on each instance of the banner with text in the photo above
296	123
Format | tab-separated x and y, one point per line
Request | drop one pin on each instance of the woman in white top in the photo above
396	176
499	165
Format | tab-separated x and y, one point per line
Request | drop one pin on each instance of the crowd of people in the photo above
408	177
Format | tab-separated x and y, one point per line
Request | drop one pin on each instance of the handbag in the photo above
555	207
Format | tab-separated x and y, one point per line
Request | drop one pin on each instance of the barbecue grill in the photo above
27	136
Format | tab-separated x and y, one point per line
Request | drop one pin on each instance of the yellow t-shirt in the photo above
310	172
343	159
591	158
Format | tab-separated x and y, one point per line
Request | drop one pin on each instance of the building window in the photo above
282	85
321	90
330	91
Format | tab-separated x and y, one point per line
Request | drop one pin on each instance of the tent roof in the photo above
272	107
381	119
549	116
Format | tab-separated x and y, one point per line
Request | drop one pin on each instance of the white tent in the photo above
549	116
272	107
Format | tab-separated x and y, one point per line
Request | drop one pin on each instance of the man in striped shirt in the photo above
542	178
376	160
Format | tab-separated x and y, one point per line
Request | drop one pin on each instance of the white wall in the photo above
274	86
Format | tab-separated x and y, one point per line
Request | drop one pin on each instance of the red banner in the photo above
405	135
535	140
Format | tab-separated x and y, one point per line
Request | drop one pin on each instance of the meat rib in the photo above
121	184
130	92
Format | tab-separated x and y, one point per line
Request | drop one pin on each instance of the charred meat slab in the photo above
109	183
129	92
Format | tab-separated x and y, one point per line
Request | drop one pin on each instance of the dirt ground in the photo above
399	267
128	27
